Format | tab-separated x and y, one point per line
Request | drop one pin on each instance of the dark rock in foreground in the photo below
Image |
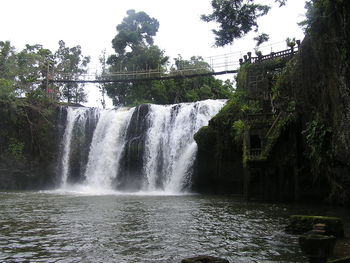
204	259
300	224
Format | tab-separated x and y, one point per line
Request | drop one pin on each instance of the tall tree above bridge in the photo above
136	30
135	51
236	18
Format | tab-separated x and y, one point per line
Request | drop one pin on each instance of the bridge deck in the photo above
147	75
130	77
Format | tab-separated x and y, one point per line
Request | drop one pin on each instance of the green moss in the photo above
283	80
15	149
239	127
205	137
317	136
27	128
341	260
276	132
317	246
302	223
241	78
245	154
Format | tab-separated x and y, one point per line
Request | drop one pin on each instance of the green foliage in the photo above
8	69
136	30
199	88
8	63
290	42
275	132
251	106
69	62
135	52
6	88
282	80
241	77
32	68
205	137
15	149
316	17
317	136
262	38
236	18
27	127
23	72
340	260
26	72
239	127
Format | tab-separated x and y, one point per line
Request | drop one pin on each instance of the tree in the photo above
135	51
236	18
70	63
198	88
8	69
136	30
103	62
32	68
24	72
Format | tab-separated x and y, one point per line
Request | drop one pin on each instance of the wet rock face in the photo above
130	171
204	259
322	87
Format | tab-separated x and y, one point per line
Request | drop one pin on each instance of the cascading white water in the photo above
170	147
76	117
163	135
106	148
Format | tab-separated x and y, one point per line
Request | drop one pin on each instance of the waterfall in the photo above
170	147
76	122
106	148
148	148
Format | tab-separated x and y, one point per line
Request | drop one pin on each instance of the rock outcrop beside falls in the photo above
28	144
298	149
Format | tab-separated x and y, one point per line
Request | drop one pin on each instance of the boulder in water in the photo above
300	224
204	259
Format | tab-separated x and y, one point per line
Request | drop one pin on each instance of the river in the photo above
55	226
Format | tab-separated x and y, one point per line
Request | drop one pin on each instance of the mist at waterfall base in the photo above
144	150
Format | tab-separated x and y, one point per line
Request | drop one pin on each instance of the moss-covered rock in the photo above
205	137
341	260
317	246
300	224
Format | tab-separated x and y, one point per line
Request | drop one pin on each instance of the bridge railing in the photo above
132	75
273	55
217	65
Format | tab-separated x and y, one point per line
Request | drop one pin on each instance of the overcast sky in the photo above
92	25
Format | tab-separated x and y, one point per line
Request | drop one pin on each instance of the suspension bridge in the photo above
215	65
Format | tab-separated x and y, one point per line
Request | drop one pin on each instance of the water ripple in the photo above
49	227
